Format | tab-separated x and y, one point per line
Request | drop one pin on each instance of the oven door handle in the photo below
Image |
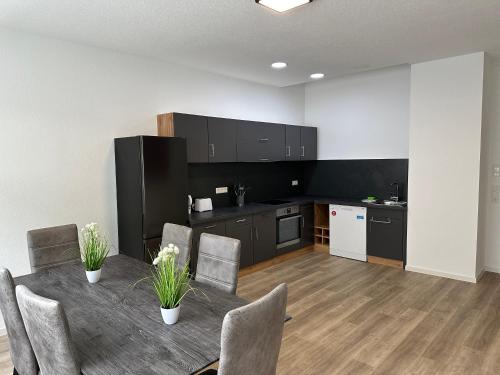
290	218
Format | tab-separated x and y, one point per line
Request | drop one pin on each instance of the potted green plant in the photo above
94	250
170	282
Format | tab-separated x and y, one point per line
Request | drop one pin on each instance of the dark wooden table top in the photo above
118	329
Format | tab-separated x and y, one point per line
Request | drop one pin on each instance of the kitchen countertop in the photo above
223	213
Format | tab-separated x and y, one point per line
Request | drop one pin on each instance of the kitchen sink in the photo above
388	202
394	203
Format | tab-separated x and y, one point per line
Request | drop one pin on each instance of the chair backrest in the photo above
251	336
180	236
218	262
48	331
52	246
21	352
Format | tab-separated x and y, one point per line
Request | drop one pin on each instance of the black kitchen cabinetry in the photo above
258	141
257	234
307	232
386	233
151	189
264	238
218	228
292	137
309	143
222	140
241	229
194	130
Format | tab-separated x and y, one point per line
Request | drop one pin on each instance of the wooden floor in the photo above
357	318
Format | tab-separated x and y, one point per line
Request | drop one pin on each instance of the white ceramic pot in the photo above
170	316
93	276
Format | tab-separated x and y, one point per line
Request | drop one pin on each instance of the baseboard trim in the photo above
480	276
385	262
492	269
448	275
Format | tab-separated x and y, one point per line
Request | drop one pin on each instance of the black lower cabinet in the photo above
241	229
264	238
307	230
386	231
218	228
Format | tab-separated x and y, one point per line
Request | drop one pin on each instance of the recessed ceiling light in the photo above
282	5
279	65
317	76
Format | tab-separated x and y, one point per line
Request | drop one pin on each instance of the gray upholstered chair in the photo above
218	262
180	236
48	331
251	336
21	353
52	246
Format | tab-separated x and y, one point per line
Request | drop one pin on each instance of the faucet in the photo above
395	198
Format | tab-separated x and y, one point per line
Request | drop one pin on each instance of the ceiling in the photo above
241	39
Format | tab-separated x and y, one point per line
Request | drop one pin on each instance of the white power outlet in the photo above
496	170
295	182
221	190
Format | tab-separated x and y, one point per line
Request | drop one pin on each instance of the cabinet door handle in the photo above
264	159
303	151
388	221
303	221
210	227
241	220
263	140
256	234
288	151
212	150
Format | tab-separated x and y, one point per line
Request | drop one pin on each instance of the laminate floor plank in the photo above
352	317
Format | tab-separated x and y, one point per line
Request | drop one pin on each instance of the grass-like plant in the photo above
94	247
170	282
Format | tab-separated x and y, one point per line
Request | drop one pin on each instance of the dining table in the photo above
116	324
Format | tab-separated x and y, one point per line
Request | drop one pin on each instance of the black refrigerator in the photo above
151	190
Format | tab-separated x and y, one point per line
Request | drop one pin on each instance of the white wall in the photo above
443	187
489	235
61	105
362	116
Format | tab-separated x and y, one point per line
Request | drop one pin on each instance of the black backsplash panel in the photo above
266	180
332	178
356	178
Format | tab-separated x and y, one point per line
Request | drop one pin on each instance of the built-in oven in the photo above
288	228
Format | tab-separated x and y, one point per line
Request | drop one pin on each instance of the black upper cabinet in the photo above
222	140
258	141
309	143
264	239
292	136
385	234
194	129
